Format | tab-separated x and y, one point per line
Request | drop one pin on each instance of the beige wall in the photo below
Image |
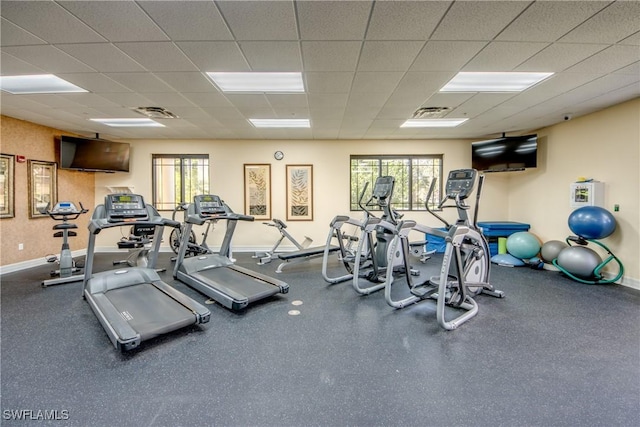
330	160
36	142
604	146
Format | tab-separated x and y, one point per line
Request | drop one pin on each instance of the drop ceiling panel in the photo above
247	19
168	100
328	82
503	56
376	82
48	58
388	55
192	20
49	21
547	21
101	56
478	104
93	82
333	20
208	99
330	55
614	23
446	55
215	56
13	35
12	66
140	82
471	20
287	100
559	56
608	60
126	22
190	81
324	100
158	56
405	20
273	56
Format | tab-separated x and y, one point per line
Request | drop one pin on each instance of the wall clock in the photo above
278	155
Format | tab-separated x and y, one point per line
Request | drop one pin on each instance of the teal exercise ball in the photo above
523	245
551	249
579	260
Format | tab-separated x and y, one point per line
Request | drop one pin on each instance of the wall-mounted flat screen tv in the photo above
93	155
507	153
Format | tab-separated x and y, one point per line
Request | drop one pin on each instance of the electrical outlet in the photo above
20	246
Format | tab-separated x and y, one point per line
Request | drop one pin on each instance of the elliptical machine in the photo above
375	239
64	211
466	261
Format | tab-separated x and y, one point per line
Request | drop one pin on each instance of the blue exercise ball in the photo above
523	245
579	260
592	222
551	249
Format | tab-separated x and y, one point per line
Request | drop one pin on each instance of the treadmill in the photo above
133	304
215	275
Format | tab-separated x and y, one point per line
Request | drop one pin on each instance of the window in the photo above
177	178
413	176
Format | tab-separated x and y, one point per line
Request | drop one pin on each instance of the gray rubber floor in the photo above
552	353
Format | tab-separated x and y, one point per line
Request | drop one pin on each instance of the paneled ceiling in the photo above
367	65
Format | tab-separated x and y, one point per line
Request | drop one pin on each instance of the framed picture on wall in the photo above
257	190
299	192
43	186
7	190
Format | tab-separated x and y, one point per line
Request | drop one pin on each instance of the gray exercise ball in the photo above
579	260
551	249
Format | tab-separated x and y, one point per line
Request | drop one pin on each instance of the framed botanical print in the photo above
7	190
43	187
299	192
257	191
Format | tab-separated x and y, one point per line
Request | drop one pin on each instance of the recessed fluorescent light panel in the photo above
40	83
258	82
493	82
129	123
281	123
432	123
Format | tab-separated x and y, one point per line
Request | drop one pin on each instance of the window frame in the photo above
403	157
182	158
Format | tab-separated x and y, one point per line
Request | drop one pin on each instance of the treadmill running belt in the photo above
149	311
238	282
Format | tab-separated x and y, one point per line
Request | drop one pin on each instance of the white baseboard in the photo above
18	266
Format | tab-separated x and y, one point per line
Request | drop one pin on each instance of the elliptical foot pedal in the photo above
423	291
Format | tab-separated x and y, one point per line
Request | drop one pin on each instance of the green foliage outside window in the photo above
413	175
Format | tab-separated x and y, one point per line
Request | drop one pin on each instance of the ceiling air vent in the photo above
155	112
430	112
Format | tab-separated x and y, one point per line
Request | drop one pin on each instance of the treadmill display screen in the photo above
120	206
209	204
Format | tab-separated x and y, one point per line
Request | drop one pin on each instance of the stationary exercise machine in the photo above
133	304
137	244
375	239
266	257
465	268
215	275
193	248
65	212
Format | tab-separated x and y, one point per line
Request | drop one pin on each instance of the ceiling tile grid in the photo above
366	65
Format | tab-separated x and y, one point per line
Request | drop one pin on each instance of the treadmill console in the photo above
125	207
208	205
460	183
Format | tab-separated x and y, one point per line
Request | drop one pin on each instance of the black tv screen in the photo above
93	155
507	153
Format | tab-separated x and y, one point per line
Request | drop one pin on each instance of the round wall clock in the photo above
278	155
